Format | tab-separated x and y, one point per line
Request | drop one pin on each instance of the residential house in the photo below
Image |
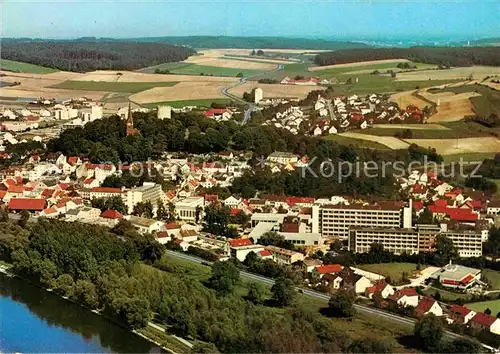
427	305
321	270
163	237
482	321
105	192
240	248
405	297
33	205
284	256
385	290
311	264
283	158
460	314
144	225
173	229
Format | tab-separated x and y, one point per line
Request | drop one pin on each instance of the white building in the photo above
259	95
148	192
188	207
96	112
335	220
164	112
144	225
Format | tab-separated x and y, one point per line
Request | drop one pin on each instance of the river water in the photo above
34	320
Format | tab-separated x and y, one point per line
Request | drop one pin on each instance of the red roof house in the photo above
30	204
240	242
111	214
461	314
265	254
482	321
328	269
428	305
405	297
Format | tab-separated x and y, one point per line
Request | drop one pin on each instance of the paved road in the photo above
161	329
251	107
410	322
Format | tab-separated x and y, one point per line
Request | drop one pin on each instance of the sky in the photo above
347	19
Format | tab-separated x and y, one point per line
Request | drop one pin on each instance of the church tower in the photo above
130	130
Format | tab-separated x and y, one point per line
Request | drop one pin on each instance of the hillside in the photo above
81	56
445	56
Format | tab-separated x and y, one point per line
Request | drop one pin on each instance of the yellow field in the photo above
228	63
180	92
478	72
452	107
131	76
411	126
406	98
389	141
459	146
360	63
36	85
275	90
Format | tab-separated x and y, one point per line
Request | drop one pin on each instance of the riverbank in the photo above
153	334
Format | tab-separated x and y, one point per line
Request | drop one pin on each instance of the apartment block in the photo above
148	192
413	240
334	221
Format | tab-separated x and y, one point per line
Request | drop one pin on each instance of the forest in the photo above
442	56
82	56
214	42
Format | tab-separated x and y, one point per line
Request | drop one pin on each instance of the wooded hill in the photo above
444	56
81	56
213	42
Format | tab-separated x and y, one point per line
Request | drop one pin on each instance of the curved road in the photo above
251	106
410	322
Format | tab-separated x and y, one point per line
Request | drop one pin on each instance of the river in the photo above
34	320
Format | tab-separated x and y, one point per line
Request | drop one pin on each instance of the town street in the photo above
251	106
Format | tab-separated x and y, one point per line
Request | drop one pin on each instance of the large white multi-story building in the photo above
148	192
413	240
334	221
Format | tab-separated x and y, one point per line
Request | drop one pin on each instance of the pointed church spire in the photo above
130	130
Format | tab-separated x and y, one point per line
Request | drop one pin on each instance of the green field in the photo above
458	129
446	295
494	277
392	270
195	69
493	305
130	87
472	157
484	105
379	84
380	67
179	104
254	60
17	66
357	143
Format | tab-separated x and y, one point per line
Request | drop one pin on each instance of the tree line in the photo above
443	56
82	56
109	270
